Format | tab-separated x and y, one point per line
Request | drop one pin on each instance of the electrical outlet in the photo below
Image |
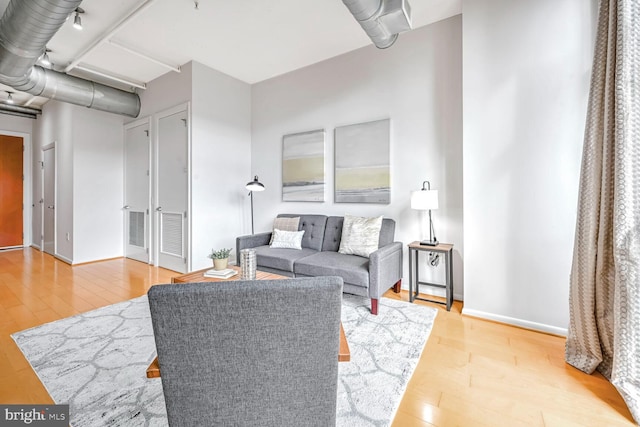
434	259
68	237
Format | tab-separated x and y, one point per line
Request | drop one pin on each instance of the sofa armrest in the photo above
251	241
385	268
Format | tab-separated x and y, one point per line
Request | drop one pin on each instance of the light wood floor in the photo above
472	372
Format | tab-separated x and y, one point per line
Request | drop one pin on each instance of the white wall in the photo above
97	185
526	76
166	91
418	85
55	125
89	173
221	153
15	124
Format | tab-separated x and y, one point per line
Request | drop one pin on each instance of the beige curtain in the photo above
604	332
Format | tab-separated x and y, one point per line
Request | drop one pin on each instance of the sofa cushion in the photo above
360	235
286	239
285	224
333	233
313	225
280	259
352	268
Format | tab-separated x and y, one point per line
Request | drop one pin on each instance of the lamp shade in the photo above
255	185
424	199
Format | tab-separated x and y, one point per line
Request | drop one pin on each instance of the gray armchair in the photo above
247	353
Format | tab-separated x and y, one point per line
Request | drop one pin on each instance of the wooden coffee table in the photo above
153	371
198	276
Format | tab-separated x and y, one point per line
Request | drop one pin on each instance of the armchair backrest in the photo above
249	352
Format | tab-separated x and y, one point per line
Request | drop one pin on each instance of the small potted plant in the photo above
220	258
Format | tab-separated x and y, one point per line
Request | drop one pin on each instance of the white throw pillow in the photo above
285	224
287	239
360	236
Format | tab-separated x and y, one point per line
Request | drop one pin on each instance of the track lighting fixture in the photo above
9	98
44	59
77	21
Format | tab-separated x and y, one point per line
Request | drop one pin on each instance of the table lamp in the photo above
426	199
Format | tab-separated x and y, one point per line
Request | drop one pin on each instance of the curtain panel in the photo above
604	330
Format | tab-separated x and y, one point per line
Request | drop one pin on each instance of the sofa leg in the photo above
374	306
397	286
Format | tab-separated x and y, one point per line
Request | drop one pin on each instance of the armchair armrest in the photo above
385	268
251	241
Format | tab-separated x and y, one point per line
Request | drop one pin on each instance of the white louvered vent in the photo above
172	232
136	229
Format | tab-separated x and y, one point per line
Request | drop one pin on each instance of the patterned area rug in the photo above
96	362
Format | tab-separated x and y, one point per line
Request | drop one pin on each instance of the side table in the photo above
414	250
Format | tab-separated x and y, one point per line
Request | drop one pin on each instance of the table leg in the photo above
410	275
417	272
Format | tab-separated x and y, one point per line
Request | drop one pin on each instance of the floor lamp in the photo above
252	186
426	199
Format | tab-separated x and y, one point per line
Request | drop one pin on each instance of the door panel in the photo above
11	192
172	191
137	193
49	196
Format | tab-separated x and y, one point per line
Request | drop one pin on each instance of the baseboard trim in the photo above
525	324
63	259
12	248
98	260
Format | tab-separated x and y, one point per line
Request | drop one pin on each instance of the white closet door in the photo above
136	209
171	207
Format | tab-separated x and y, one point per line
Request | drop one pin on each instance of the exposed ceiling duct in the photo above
25	29
382	20
17	110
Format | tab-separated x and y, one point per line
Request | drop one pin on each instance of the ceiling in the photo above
251	40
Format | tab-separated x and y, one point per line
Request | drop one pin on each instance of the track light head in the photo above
10	98
44	59
77	21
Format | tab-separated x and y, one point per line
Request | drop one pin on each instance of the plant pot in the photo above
220	264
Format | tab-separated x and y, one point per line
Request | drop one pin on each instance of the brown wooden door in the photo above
11	191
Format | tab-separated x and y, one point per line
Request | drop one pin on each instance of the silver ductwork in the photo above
382	20
17	110
25	29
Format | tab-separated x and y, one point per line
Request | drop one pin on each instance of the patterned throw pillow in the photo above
285	224
360	236
287	239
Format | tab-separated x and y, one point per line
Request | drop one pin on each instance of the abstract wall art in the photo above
362	163
303	167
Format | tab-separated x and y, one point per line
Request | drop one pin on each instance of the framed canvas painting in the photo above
362	163
303	167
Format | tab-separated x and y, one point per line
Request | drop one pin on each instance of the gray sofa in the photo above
369	277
